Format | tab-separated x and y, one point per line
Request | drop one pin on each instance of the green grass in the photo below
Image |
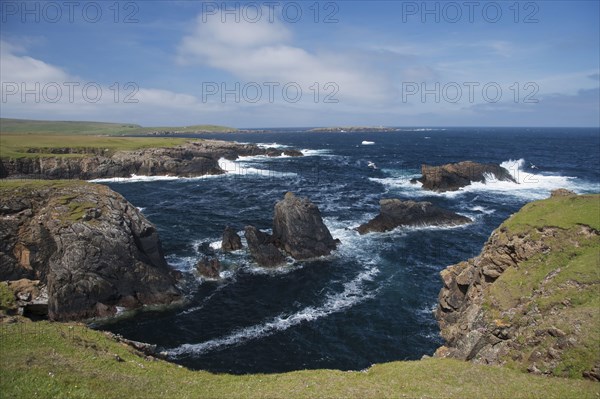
7	299
563	212
65	128
52	360
32	146
560	287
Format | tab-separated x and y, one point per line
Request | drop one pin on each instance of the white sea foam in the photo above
352	294
272	145
241	168
529	185
365	142
315	153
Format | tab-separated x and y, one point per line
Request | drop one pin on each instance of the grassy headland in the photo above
39	145
67	128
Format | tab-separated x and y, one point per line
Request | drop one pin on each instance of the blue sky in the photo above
303	63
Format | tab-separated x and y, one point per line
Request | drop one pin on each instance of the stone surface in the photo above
209	267
395	213
231	240
487	332
262	249
298	228
453	176
90	262
196	158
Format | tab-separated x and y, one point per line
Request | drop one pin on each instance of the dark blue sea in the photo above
369	302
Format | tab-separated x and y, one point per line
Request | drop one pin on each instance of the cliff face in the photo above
91	248
530	299
195	158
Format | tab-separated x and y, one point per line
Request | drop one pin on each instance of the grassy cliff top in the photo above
66	128
557	288
561	212
53	360
38	145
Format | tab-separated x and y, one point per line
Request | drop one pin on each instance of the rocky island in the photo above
298	231
453	176
395	213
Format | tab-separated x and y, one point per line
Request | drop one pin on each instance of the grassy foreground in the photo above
52	360
66	128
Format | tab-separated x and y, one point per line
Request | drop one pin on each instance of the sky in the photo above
302	63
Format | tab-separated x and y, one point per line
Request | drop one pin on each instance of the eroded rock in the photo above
298	228
395	212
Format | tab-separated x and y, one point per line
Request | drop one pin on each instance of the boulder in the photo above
395	212
262	249
298	228
209	267
453	176
90	248
231	240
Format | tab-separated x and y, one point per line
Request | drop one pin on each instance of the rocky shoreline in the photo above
195	158
527	299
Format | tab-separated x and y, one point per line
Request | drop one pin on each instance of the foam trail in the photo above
352	294
239	168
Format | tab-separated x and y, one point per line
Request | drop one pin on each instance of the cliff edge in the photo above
530	299
90	249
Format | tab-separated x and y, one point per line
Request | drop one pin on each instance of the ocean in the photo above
370	301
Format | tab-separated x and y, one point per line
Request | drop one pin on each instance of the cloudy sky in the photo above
303	63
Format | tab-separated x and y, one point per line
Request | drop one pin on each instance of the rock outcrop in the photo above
91	248
196	158
298	228
262	249
395	213
231	240
209	267
453	176
528	298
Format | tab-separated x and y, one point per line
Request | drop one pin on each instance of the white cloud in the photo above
263	52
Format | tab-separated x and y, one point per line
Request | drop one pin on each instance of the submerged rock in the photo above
231	240
91	248
262	249
395	212
453	176
298	228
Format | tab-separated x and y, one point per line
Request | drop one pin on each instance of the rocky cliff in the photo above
530	299
90	249
196	158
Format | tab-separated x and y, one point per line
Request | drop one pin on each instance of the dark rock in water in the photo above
91	248
395	213
262	249
205	249
231	240
209	267
453	176
292	153
299	230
